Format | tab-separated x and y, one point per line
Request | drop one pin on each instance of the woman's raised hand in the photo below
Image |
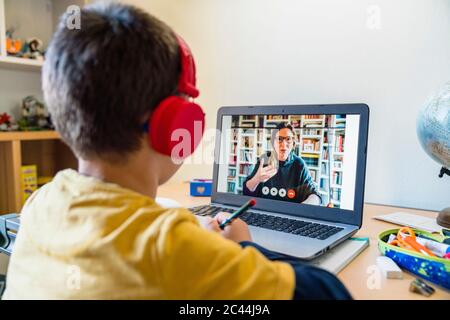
265	173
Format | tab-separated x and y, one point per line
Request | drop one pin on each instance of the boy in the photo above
97	233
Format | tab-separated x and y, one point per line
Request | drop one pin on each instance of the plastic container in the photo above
201	187
433	269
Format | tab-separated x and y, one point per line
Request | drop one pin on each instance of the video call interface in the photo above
309	159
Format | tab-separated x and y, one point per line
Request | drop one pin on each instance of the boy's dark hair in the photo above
102	81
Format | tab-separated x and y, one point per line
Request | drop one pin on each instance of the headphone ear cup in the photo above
176	127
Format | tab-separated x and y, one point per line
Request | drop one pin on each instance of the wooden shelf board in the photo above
23	64
28	135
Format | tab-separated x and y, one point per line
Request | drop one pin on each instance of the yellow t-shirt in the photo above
81	238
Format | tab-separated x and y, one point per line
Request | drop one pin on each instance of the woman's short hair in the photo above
281	125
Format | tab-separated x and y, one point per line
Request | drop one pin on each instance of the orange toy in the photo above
13	46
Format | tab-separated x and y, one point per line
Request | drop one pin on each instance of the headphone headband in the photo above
187	81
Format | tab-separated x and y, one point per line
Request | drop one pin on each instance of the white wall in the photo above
328	51
316	51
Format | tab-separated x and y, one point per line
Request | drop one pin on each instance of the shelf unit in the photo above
318	137
41	148
32	18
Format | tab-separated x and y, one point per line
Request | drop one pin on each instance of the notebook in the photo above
339	257
411	220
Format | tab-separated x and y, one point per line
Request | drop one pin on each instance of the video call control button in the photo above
291	193
273	192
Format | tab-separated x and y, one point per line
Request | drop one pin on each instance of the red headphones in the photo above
177	113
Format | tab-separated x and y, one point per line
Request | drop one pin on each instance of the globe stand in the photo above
443	171
443	218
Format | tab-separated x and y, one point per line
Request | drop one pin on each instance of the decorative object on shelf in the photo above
33	49
13	46
34	115
7	123
29	181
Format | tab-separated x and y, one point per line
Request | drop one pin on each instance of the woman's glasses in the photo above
288	139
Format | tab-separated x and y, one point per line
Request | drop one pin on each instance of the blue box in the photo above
201	187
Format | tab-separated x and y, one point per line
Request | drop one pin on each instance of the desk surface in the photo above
357	274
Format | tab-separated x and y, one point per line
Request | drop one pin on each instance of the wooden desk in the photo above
357	273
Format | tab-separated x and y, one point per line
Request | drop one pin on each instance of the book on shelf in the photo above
231	186
313	174
247	125
311	132
336	178
248	132
277	117
337	164
324	168
313	116
247	142
325	153
328	121
336	194
310	125
339	143
231	172
324	184
260	135
244	168
310	144
246	156
233	148
232	160
311	162
234	134
241	181
309	155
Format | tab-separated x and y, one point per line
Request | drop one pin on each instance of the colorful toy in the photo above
33	49
7	123
34	115
29	181
13	46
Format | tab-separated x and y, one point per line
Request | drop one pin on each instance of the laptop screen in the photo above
309	159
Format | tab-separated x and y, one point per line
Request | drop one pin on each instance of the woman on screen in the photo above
280	174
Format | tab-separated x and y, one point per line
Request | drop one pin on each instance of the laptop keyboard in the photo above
297	227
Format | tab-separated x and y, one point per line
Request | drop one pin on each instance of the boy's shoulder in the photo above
74	200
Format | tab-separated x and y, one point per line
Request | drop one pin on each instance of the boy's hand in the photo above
237	230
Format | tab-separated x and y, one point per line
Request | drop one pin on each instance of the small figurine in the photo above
34	115
33	49
7	123
13	46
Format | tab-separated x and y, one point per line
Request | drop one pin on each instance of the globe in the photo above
433	128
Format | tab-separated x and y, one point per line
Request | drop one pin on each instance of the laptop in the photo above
303	164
